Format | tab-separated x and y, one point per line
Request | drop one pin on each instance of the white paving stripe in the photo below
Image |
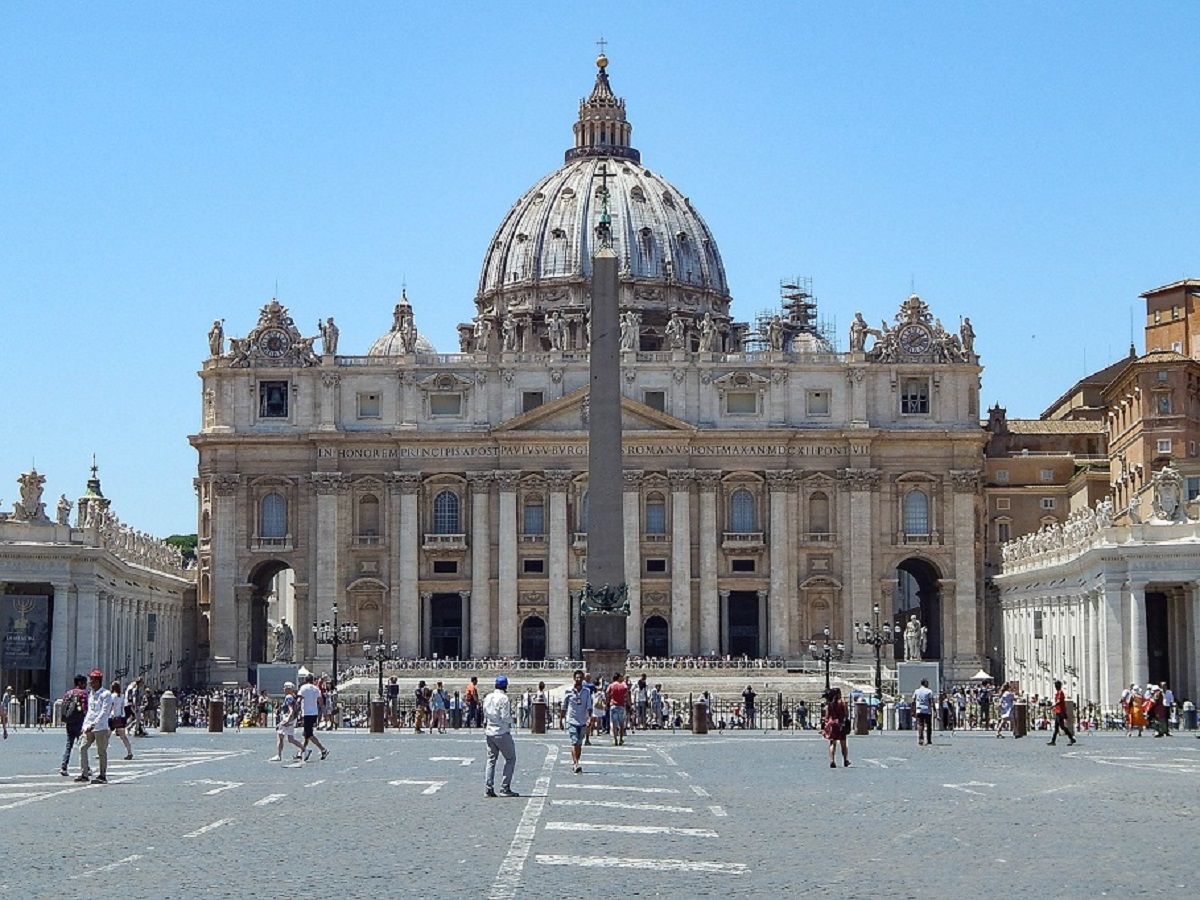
461	760
211	826
618	787
631	829
622	765
718	811
699	791
617	804
658	865
269	799
315	783
431	787
87	873
508	878
666	757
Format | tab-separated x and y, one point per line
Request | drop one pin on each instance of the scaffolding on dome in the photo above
798	315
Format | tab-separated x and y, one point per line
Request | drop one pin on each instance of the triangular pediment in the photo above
571	413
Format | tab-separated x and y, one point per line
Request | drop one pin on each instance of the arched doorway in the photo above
742	631
271	601
533	638
918	593
656	637
445	625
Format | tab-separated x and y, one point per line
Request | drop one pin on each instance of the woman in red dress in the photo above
837	725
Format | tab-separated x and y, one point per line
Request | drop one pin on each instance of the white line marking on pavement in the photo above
699	791
618	787
875	762
372	758
221	786
269	799
623	765
666	757
631	829
966	786
617	804
88	873
315	783
508	878
432	787
659	865
461	760
207	828
718	811
683	774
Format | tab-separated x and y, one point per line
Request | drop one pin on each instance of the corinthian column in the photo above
860	483
965	483
558	639
329	487
632	527
681	562
223	607
481	563
507	530
406	613
709	537
779	620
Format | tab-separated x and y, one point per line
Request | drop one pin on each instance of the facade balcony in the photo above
579	541
742	540
820	537
657	537
367	540
927	539
533	539
442	543
271	544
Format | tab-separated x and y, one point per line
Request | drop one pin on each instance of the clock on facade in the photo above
274	343
915	339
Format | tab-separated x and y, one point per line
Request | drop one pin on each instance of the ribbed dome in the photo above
392	344
539	260
403	337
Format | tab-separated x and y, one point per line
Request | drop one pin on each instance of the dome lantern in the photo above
602	129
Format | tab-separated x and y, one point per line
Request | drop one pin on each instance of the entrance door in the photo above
743	624
1158	657
533	638
445	625
655	637
918	594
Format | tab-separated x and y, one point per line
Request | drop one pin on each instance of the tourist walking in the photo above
577	710
286	729
1004	709
1169	704
95	729
310	709
836	726
497	731
748	696
440	702
471	696
618	708
1059	708
923	706
74	710
118	717
421	705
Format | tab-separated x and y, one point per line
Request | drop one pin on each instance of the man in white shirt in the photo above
497	731
577	707
923	706
95	729
310	709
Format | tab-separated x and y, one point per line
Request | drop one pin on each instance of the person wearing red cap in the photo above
95	729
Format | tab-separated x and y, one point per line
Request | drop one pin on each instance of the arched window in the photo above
445	513
535	515
273	522
741	512
916	512
368	516
818	513
656	514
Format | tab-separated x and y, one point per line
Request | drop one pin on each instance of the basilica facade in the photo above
773	485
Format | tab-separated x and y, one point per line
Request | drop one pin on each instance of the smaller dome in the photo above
403	337
392	344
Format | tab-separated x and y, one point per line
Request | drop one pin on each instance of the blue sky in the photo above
1029	165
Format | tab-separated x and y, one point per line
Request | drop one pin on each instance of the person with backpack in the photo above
74	709
95	729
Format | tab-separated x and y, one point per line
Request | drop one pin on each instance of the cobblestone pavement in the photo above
667	814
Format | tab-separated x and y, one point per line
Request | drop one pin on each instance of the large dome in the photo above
539	260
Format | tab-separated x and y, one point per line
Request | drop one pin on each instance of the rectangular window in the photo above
656	565
914	397
368	406
1037	624
1193	487
532	400
445	404
272	399
1002	503
1048	503
1162	376
1003	532
742	565
533	566
1047	474
1164	445
445	567
741	403
818	403
151	627
656	518
655	400
535	518
1002	476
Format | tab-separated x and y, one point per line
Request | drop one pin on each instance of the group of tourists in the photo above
93	714
1148	707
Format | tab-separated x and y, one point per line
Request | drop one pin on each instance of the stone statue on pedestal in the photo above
30	507
915	638
64	510
284	642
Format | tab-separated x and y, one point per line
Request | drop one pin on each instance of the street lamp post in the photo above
875	635
827	653
380	653
335	634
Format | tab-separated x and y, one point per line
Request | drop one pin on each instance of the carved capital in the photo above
681	479
507	480
558	479
226	484
329	482
632	479
709	480
331	379
965	481
480	482
855	374
404	482
779	480
859	479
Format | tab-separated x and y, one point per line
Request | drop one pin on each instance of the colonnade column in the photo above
681	561
708	538
480	626
62	646
860	483
1139	668
778	618
405	613
558	635
1091	606
1111	659
631	520
506	528
222	608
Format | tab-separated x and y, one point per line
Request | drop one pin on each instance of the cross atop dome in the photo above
602	129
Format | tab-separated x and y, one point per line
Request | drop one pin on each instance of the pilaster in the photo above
558	638
480	623
681	561
708	536
506	528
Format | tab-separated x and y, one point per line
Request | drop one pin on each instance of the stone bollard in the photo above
540	715
14	712
862	720
216	716
889	717
168	712
1020	723
57	714
378	716
699	717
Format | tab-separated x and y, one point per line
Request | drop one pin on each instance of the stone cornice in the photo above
859	479
326	483
558	479
681	479
404	482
